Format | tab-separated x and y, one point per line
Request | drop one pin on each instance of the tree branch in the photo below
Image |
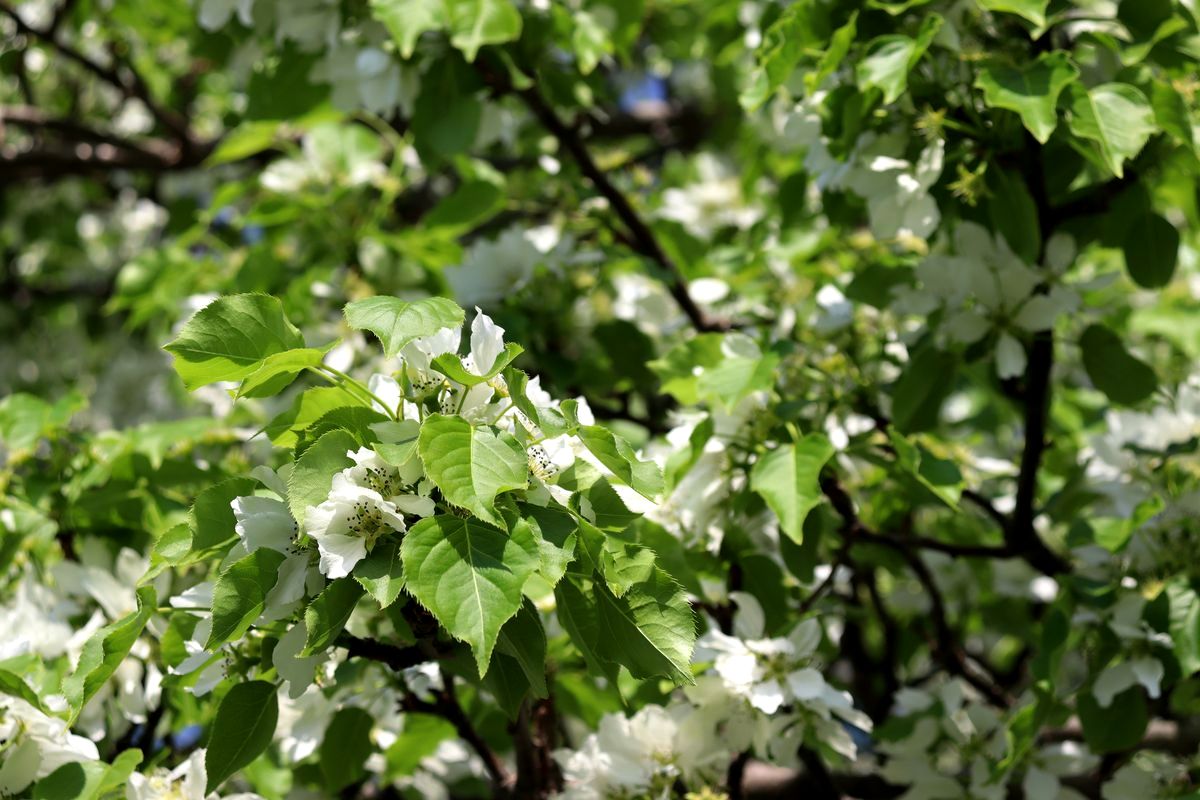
641	237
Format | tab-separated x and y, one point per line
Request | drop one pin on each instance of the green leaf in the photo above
589	41
677	369
788	478
345	747
381	573
1172	114
470	204
174	546
732	379
452	367
406	20
229	339
278	371
14	686
1031	90
419	739
397	322
524	640
211	517
474	23
105	651
397	440
1014	214
1184	624
835	53
241	730
1116	118
924	385
1151	250
644	477
327	614
469	575
890	58
576	611
247	139
783	43
240	594
623	565
1112	369
555	530
309	407
1032	10
88	780
312	474
651	630
472	465
25	419
941	477
358	421
1116	728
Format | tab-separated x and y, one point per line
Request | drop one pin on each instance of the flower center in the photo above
367	521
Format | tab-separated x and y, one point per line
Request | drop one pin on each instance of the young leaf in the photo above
1031	90
788	479
327	614
406	20
241	731
105	651
469	575
230	338
240	594
474	23
1112	369
452	367
397	322
1116	117
471	465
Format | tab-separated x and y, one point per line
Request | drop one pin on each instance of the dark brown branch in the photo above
1021	535
853	526
395	658
946	645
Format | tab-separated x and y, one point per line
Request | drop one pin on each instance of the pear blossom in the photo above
770	673
35	744
642	755
366	501
494	269
713	202
185	782
985	286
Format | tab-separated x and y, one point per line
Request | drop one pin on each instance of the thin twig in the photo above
641	237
